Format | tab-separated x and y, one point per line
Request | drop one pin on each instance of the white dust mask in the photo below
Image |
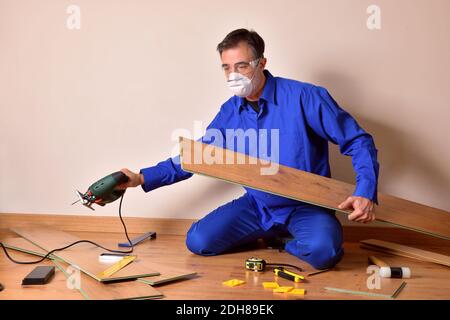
239	84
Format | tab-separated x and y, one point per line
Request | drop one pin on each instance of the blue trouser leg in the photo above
317	236
317	232
225	228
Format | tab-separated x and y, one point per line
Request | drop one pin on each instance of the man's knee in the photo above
325	255
199	243
321	255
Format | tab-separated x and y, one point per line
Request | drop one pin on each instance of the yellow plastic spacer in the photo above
297	291
233	282
283	289
270	285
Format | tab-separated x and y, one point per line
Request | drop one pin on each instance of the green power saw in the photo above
103	191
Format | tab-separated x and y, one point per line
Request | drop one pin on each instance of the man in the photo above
307	118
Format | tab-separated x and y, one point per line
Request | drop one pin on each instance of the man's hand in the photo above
135	179
363	209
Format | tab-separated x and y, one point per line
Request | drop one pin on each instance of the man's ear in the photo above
263	62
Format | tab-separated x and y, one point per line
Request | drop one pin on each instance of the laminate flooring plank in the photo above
393	248
213	161
83	255
89	288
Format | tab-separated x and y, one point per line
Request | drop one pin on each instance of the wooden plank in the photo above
388	252
11	276
288	182
127	290
417	254
395	253
89	287
356	280
25	246
168	274
420	254
83	255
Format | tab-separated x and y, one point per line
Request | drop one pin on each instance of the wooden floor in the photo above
429	281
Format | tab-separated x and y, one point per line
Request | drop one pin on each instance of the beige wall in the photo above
76	105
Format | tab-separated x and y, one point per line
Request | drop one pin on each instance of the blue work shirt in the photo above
307	117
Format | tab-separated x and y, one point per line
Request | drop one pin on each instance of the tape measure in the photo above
255	264
116	267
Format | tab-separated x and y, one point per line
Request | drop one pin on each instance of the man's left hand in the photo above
363	209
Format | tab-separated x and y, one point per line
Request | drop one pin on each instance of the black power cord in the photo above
77	242
284	265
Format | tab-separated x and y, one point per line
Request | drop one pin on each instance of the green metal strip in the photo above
361	293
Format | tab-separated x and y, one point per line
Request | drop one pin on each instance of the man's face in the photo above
237	60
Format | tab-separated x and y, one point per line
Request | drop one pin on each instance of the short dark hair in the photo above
253	39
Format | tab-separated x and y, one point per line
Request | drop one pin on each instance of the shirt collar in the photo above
268	93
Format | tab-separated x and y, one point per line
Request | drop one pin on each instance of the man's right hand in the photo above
135	179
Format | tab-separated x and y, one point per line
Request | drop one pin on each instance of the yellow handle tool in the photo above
289	275
377	261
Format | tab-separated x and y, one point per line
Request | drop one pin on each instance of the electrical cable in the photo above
76	242
284	265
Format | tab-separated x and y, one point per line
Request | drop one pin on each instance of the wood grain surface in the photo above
90	288
288	182
164	272
83	255
428	281
410	252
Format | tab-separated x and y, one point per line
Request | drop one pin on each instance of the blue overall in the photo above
306	118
